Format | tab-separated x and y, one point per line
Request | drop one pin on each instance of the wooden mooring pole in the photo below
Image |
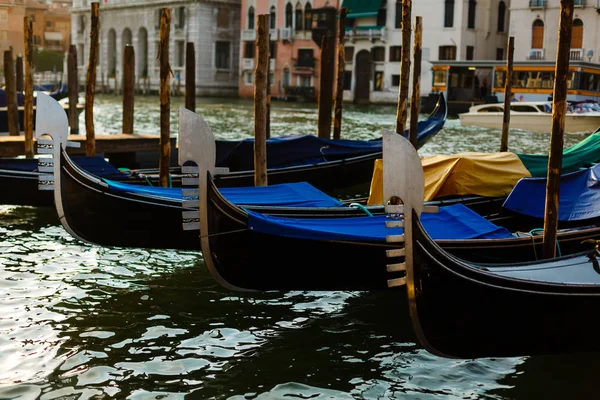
341	62
510	49
402	112
268	92
415	100
165	97
260	100
11	93
19	70
73	88
328	49
28	100
128	87
190	76
559	109
90	82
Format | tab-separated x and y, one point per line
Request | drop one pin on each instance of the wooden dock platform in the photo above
13	146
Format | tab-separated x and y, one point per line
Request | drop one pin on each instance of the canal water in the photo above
79	321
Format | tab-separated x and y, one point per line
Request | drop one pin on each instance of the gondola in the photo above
333	166
350	253
462	309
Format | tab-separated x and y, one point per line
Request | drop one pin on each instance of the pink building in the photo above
294	64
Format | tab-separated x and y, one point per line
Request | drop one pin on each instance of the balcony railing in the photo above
274	34
306	63
248	34
537	3
286	33
366	32
535	54
576	54
248	63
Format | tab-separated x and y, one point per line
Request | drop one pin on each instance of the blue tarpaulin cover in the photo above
579	196
451	222
96	165
300	194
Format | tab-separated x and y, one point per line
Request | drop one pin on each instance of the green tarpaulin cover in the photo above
581	155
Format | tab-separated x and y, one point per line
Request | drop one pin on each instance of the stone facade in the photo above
212	25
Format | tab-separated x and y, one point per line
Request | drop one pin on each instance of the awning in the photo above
53	36
361	8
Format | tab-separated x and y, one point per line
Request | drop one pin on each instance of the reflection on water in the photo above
84	322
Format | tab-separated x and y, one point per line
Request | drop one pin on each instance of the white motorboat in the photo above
534	116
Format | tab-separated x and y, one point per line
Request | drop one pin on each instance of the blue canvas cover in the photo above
300	194
451	222
95	165
579	196
287	151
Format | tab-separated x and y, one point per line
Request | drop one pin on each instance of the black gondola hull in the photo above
465	313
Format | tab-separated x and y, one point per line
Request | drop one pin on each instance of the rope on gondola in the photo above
362	207
225	233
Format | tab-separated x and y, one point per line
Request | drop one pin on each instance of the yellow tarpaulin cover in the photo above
471	173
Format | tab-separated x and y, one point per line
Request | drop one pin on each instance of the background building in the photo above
213	27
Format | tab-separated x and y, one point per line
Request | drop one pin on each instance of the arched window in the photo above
537	34
501	16
577	34
298	16
471	16
448	13
250	22
289	12
273	18
398	16
307	17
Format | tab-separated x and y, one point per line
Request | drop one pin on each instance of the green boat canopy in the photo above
581	155
361	8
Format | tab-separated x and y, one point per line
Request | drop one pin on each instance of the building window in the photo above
289	12
37	39
307	17
248	77
398	16
273	18
3	15
249	49
298	17
471	15
347	80
396	80
48	24
222	55
286	77
470	51
378	53
381	15
395	53
501	16
81	55
577	34
499	53
305	58
3	35
180	53
449	14
223	18
306	81
378	81
81	18
447	53
537	34
81	22
180	17
250	22
348	54
272	49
